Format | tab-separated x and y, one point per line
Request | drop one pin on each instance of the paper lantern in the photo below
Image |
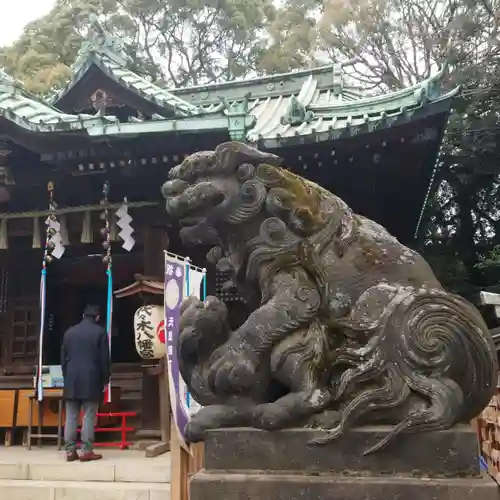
149	328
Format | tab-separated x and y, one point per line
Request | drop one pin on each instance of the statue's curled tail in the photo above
426	345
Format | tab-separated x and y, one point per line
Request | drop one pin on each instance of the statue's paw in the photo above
269	416
233	372
189	340
203	325
190	302
195	430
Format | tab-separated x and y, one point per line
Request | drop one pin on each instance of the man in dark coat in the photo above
86	367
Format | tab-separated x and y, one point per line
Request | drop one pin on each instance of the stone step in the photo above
80	490
248	486
126	466
126	471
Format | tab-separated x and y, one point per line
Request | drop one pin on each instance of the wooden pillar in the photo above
162	416
155	243
164	391
183	464
155	414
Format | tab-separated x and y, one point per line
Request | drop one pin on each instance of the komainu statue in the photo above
348	326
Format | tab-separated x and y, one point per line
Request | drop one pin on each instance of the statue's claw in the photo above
232	372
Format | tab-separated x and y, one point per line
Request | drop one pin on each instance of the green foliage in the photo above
179	42
292	40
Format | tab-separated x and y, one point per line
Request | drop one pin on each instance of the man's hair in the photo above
91	311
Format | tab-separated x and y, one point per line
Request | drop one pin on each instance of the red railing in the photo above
123	429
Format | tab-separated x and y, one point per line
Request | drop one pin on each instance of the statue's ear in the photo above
232	154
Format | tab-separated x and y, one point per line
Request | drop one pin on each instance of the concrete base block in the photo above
212	486
248	464
444	453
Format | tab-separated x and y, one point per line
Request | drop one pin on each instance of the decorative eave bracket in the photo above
239	118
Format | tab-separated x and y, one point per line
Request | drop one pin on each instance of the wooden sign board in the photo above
491	299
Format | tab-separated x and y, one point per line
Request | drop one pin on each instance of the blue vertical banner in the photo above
109	324
43	294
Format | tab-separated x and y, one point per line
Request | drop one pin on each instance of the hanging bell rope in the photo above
54	247
50	231
106	230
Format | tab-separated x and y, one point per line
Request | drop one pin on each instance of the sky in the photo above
17	13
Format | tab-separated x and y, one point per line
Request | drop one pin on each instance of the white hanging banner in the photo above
195	280
123	221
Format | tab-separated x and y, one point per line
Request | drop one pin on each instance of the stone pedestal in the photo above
247	464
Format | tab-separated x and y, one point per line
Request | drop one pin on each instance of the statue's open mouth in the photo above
193	204
191	221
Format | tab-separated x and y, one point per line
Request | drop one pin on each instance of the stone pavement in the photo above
43	474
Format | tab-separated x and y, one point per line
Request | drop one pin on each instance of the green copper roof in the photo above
329	81
316	104
309	105
108	54
30	113
280	120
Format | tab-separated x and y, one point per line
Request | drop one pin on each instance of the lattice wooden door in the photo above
24	334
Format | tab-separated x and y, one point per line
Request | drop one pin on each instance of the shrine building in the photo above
109	124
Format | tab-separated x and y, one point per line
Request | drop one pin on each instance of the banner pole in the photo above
107	260
43	281
109	321
187	293
47	259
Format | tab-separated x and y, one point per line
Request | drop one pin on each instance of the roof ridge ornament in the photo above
237	108
8	83
101	42
434	84
432	88
337	80
296	113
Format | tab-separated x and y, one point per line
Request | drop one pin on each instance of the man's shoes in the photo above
71	456
89	456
